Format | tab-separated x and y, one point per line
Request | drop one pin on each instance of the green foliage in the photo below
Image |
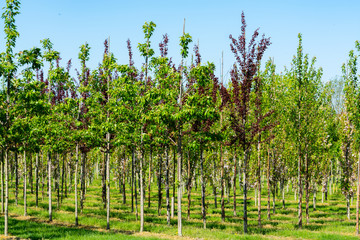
185	40
144	48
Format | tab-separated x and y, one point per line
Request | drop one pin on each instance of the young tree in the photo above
352	103
239	97
8	69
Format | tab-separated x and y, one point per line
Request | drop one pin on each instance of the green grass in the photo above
37	230
329	221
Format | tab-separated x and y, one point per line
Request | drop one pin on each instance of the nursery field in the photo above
328	221
176	147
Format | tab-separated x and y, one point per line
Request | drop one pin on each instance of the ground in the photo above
329	221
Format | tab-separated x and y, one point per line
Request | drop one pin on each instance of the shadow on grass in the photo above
35	230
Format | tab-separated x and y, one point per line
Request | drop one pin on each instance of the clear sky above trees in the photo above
329	28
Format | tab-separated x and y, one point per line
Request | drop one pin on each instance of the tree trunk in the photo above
132	179
83	176
76	184
222	183
268	184
136	195
63	178
159	186
30	174
6	214
37	180
202	188
307	186
300	191
283	192
16	178
108	182
141	191
2	181
173	197
314	197
274	198
58	180
49	186
259	182
167	187
246	153
234	184
189	182
179	172
348	205
124	180
358	197
25	169
214	185
149	182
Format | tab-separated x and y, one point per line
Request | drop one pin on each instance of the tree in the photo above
352	104
243	79
8	69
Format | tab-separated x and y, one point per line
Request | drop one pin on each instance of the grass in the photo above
329	221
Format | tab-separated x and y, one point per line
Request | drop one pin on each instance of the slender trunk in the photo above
189	200
234	184
6	214
103	181
173	183
49	186
43	176
358	197
123	180
167	187
37	180
30	175
159	186
314	197
25	169
132	179
189	182
326	188
70	176
76	184
202	188
179	193
149	182
66	174
307	186
214	185
268	184
16	178
83	176
283	193
300	192
2	181
62	178
222	183
108	182
274	197
136	195
141	191
259	182
58	180
348	205
246	153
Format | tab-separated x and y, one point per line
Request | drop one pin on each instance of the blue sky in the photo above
329	28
